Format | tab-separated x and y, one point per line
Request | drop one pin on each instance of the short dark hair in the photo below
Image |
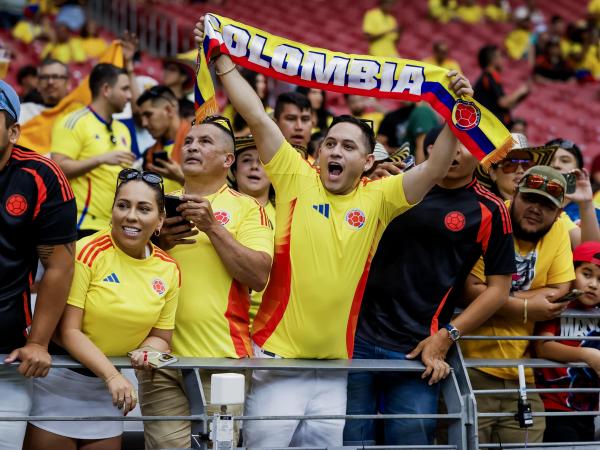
157	93
51	61
291	98
571	147
486	55
9	120
104	74
159	194
26	71
366	130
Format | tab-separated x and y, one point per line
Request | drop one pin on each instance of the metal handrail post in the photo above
468	401
197	402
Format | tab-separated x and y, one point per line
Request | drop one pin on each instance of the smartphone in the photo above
156	358
171	204
164	156
571	180
409	162
570	296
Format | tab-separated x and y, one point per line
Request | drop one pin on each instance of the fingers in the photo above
12	357
416	351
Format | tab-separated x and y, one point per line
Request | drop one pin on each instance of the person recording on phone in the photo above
123	297
223	243
159	113
544	274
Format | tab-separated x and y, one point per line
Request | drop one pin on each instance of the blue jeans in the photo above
389	393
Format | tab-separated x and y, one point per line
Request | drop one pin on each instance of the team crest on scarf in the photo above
465	115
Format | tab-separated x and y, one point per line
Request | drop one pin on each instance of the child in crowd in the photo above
573	323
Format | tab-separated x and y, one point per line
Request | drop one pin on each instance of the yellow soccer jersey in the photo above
256	297
376	22
548	262
123	298
324	244
83	135
212	318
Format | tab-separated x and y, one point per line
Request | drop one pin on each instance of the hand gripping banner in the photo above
394	78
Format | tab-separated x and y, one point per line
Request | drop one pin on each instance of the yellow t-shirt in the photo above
26	31
496	14
93	46
376	22
212	318
470	14
517	43
324	244
442	13
550	261
83	135
256	297
448	63
375	116
123	298
594	9
597	199
68	52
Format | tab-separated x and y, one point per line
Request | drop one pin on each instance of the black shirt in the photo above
487	91
37	207
394	125
423	260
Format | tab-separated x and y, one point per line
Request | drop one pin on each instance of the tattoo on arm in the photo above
70	247
44	252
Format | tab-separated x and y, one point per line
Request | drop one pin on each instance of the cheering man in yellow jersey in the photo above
328	226
230	253
92	148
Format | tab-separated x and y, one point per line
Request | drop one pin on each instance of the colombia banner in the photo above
402	79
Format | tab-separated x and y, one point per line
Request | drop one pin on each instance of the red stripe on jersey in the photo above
65	186
506	223
235	193
434	321
264	220
42	192
485	227
277	295
355	308
166	256
238	305
97	250
27	311
88	247
168	259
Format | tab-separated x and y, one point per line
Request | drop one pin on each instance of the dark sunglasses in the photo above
511	165
552	187
151	178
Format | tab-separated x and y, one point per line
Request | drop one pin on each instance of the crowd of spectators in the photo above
251	234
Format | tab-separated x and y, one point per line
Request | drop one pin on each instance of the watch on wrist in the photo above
453	332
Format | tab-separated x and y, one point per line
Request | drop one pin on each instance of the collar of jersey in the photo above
212	196
99	117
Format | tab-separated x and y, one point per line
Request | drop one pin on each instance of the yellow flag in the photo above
36	133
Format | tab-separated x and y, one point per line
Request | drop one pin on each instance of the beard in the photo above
524	235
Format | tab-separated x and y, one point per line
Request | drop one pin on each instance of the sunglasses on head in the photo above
512	165
552	187
220	121
151	178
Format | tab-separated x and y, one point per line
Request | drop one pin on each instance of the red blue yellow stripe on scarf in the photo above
394	78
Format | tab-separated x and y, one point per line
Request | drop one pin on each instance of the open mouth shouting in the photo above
334	170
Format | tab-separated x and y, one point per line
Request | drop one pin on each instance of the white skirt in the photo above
67	393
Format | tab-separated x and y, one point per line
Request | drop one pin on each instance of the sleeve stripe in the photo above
506	224
88	248
74	118
162	256
65	186
97	250
42	192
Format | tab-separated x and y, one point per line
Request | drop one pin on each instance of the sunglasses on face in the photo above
151	178
512	165
552	187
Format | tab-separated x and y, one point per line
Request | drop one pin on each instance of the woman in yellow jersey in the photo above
249	178
124	296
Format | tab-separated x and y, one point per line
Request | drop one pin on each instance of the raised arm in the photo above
246	102
422	178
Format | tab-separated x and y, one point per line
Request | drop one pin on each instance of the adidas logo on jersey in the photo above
322	209
112	278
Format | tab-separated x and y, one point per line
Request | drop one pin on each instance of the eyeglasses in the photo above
552	187
151	178
511	165
52	77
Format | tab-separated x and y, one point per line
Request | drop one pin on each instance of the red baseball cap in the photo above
587	252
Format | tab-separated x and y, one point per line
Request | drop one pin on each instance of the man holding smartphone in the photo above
544	273
223	243
159	112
